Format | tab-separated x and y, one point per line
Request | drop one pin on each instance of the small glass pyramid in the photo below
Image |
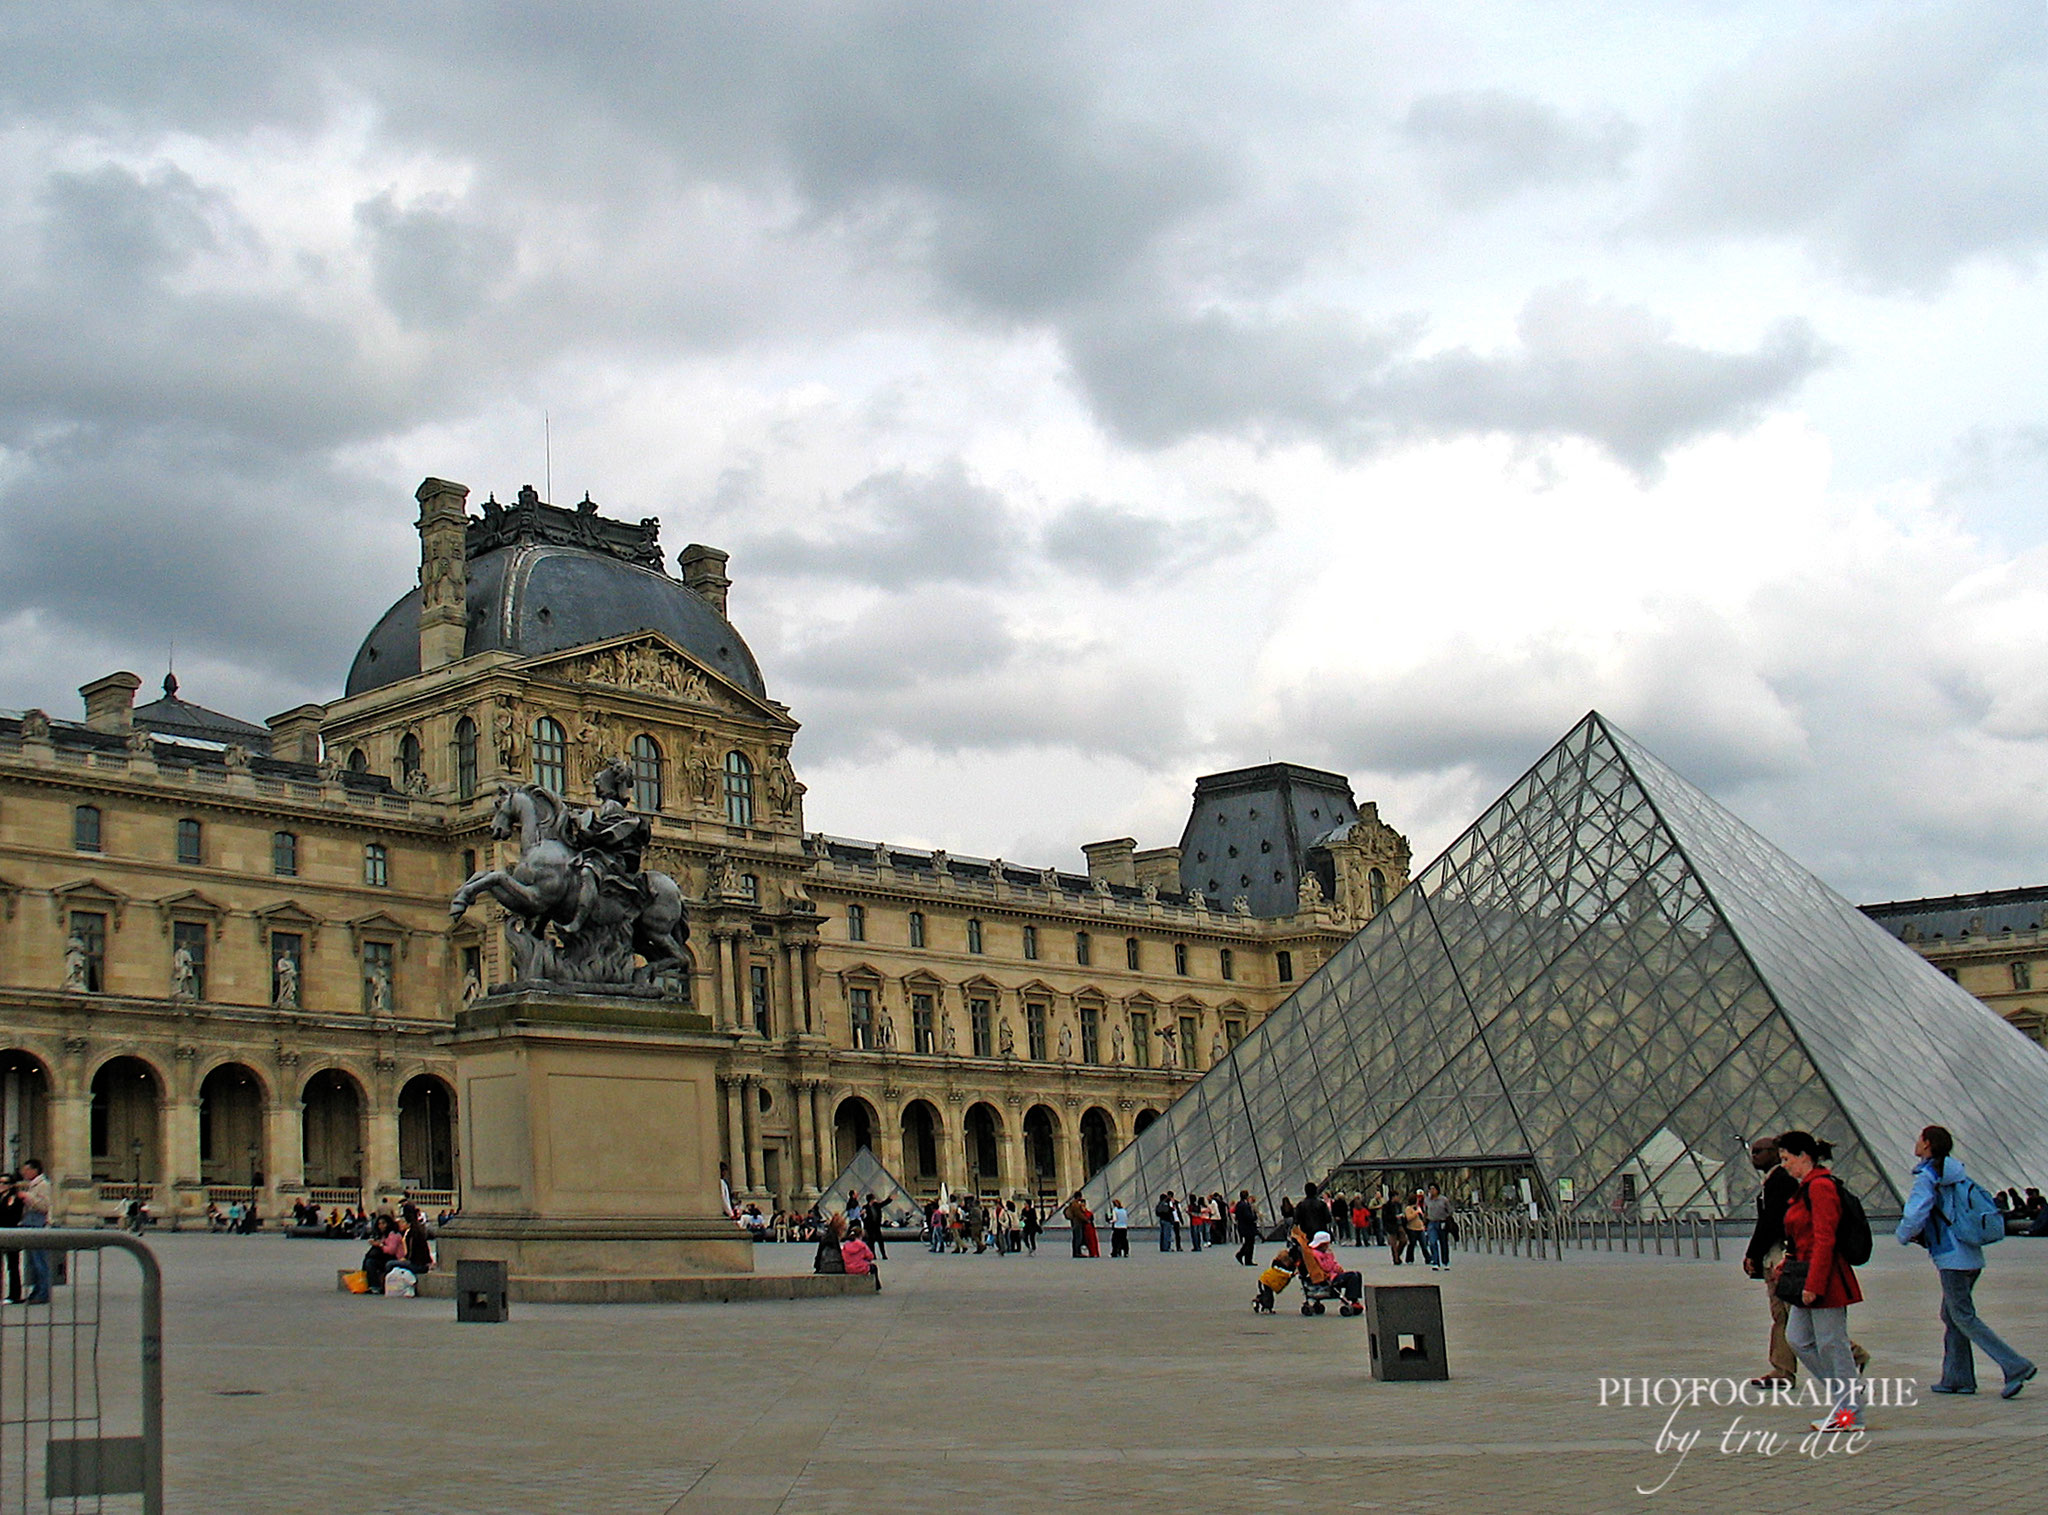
865	1175
1611	980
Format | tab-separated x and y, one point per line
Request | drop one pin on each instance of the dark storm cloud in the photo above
1897	141
1484	145
1610	373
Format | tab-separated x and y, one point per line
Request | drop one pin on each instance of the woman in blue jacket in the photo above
1937	1194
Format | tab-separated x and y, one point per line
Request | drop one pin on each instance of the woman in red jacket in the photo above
1818	1325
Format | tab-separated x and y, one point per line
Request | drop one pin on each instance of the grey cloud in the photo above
1485	145
1119	546
1897	141
900	528
904	641
1610	373
434	266
112	227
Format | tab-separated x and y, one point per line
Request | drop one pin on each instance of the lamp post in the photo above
362	1187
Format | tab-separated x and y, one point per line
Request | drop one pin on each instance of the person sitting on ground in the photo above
1344	1280
419	1251
831	1257
386	1251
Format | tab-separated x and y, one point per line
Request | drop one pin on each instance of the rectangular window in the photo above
974	936
380	982
1227	963
1031	944
284	854
85	828
757	990
924	1035
1131	958
917	928
1233	1032
287	947
469	862
1189	1037
856	923
1082	948
1141	1039
2023	976
1034	1029
376	865
188	842
750	886
1283	964
980	1019
1180	958
1091	1034
860	1009
90	928
189	937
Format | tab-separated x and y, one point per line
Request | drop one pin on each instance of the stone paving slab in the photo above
985	1384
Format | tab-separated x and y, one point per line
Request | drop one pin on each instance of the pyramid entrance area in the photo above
1027	1383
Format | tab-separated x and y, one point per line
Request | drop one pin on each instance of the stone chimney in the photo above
444	571
1159	866
704	573
295	735
1113	862
110	702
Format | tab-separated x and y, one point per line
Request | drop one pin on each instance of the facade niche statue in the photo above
184	975
287	972
579	910
74	966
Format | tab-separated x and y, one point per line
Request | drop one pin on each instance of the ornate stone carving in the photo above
1197	900
139	743
1006	1039
1066	1042
578	907
1310	894
885	1032
1241	905
506	739
781	784
700	770
1151	893
377	991
1116	1045
235	758
74	966
951	1040
647	667
35	726
287	974
1049	880
941	863
1100	885
184	974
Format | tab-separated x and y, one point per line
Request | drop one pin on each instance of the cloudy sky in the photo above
1090	397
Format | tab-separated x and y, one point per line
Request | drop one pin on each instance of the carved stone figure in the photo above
140	743
881	854
1171	1036
1151	893
578	907
885	1033
505	737
589	743
941	863
1116	1045
74	966
1066	1042
1006	1039
287	973
722	877
379	984
701	771
1216	1048
1197	900
781	784
952	1041
235	758
416	781
472	988
35	726
1101	885
996	869
1241	905
1310	894
184	975
1049	880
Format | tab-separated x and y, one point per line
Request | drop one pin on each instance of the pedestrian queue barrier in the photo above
81	1376
1516	1233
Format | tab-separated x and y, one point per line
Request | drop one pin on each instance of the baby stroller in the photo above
1299	1261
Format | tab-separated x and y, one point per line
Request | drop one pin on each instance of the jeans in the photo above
1820	1339
1434	1251
1195	1229
38	1263
1169	1236
1963	1327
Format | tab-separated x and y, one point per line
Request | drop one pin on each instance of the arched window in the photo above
465	758
408	756
85	828
358	760
739	789
1376	887
550	754
646	774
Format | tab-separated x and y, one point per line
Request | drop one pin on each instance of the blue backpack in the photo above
1975	1219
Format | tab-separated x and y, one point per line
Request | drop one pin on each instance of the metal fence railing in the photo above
81	1376
1514	1233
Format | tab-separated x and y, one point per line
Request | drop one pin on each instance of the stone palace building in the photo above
226	958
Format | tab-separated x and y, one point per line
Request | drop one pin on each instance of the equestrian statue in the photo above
578	907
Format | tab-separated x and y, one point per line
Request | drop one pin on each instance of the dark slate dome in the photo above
543	579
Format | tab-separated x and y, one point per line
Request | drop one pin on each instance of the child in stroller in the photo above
1311	1260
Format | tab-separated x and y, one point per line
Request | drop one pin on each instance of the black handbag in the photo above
1791	1282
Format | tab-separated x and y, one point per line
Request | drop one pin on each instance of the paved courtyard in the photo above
983	1384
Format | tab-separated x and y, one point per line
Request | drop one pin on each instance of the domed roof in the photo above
530	595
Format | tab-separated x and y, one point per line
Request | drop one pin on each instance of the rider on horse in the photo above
608	840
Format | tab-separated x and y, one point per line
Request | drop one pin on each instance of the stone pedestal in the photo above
590	1140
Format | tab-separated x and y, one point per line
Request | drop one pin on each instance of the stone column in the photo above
889	1139
953	1144
742	999
286	1129
735	1133
826	1142
750	1126
1015	1175
721	1010
808	985
178	1187
380	1146
806	1186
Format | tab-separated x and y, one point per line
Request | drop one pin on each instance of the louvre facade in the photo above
1611	983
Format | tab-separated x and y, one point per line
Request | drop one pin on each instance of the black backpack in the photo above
1852	1231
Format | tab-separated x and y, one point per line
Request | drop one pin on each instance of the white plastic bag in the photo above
401	1281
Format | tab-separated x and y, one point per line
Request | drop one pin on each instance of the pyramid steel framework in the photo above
1610	979
865	1175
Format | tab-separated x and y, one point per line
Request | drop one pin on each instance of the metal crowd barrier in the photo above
1510	1233
66	1374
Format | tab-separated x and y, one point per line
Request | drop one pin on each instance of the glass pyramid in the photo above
1611	980
865	1175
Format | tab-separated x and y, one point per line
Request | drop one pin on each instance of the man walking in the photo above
1767	1249
1313	1213
1436	1230
1940	1191
35	1216
1246	1215
871	1228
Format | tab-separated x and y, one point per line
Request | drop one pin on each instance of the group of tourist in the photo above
967	1221
401	1251
1810	1236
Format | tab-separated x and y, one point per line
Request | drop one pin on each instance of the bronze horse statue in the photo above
598	922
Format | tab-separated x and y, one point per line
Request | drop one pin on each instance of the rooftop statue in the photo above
578	907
